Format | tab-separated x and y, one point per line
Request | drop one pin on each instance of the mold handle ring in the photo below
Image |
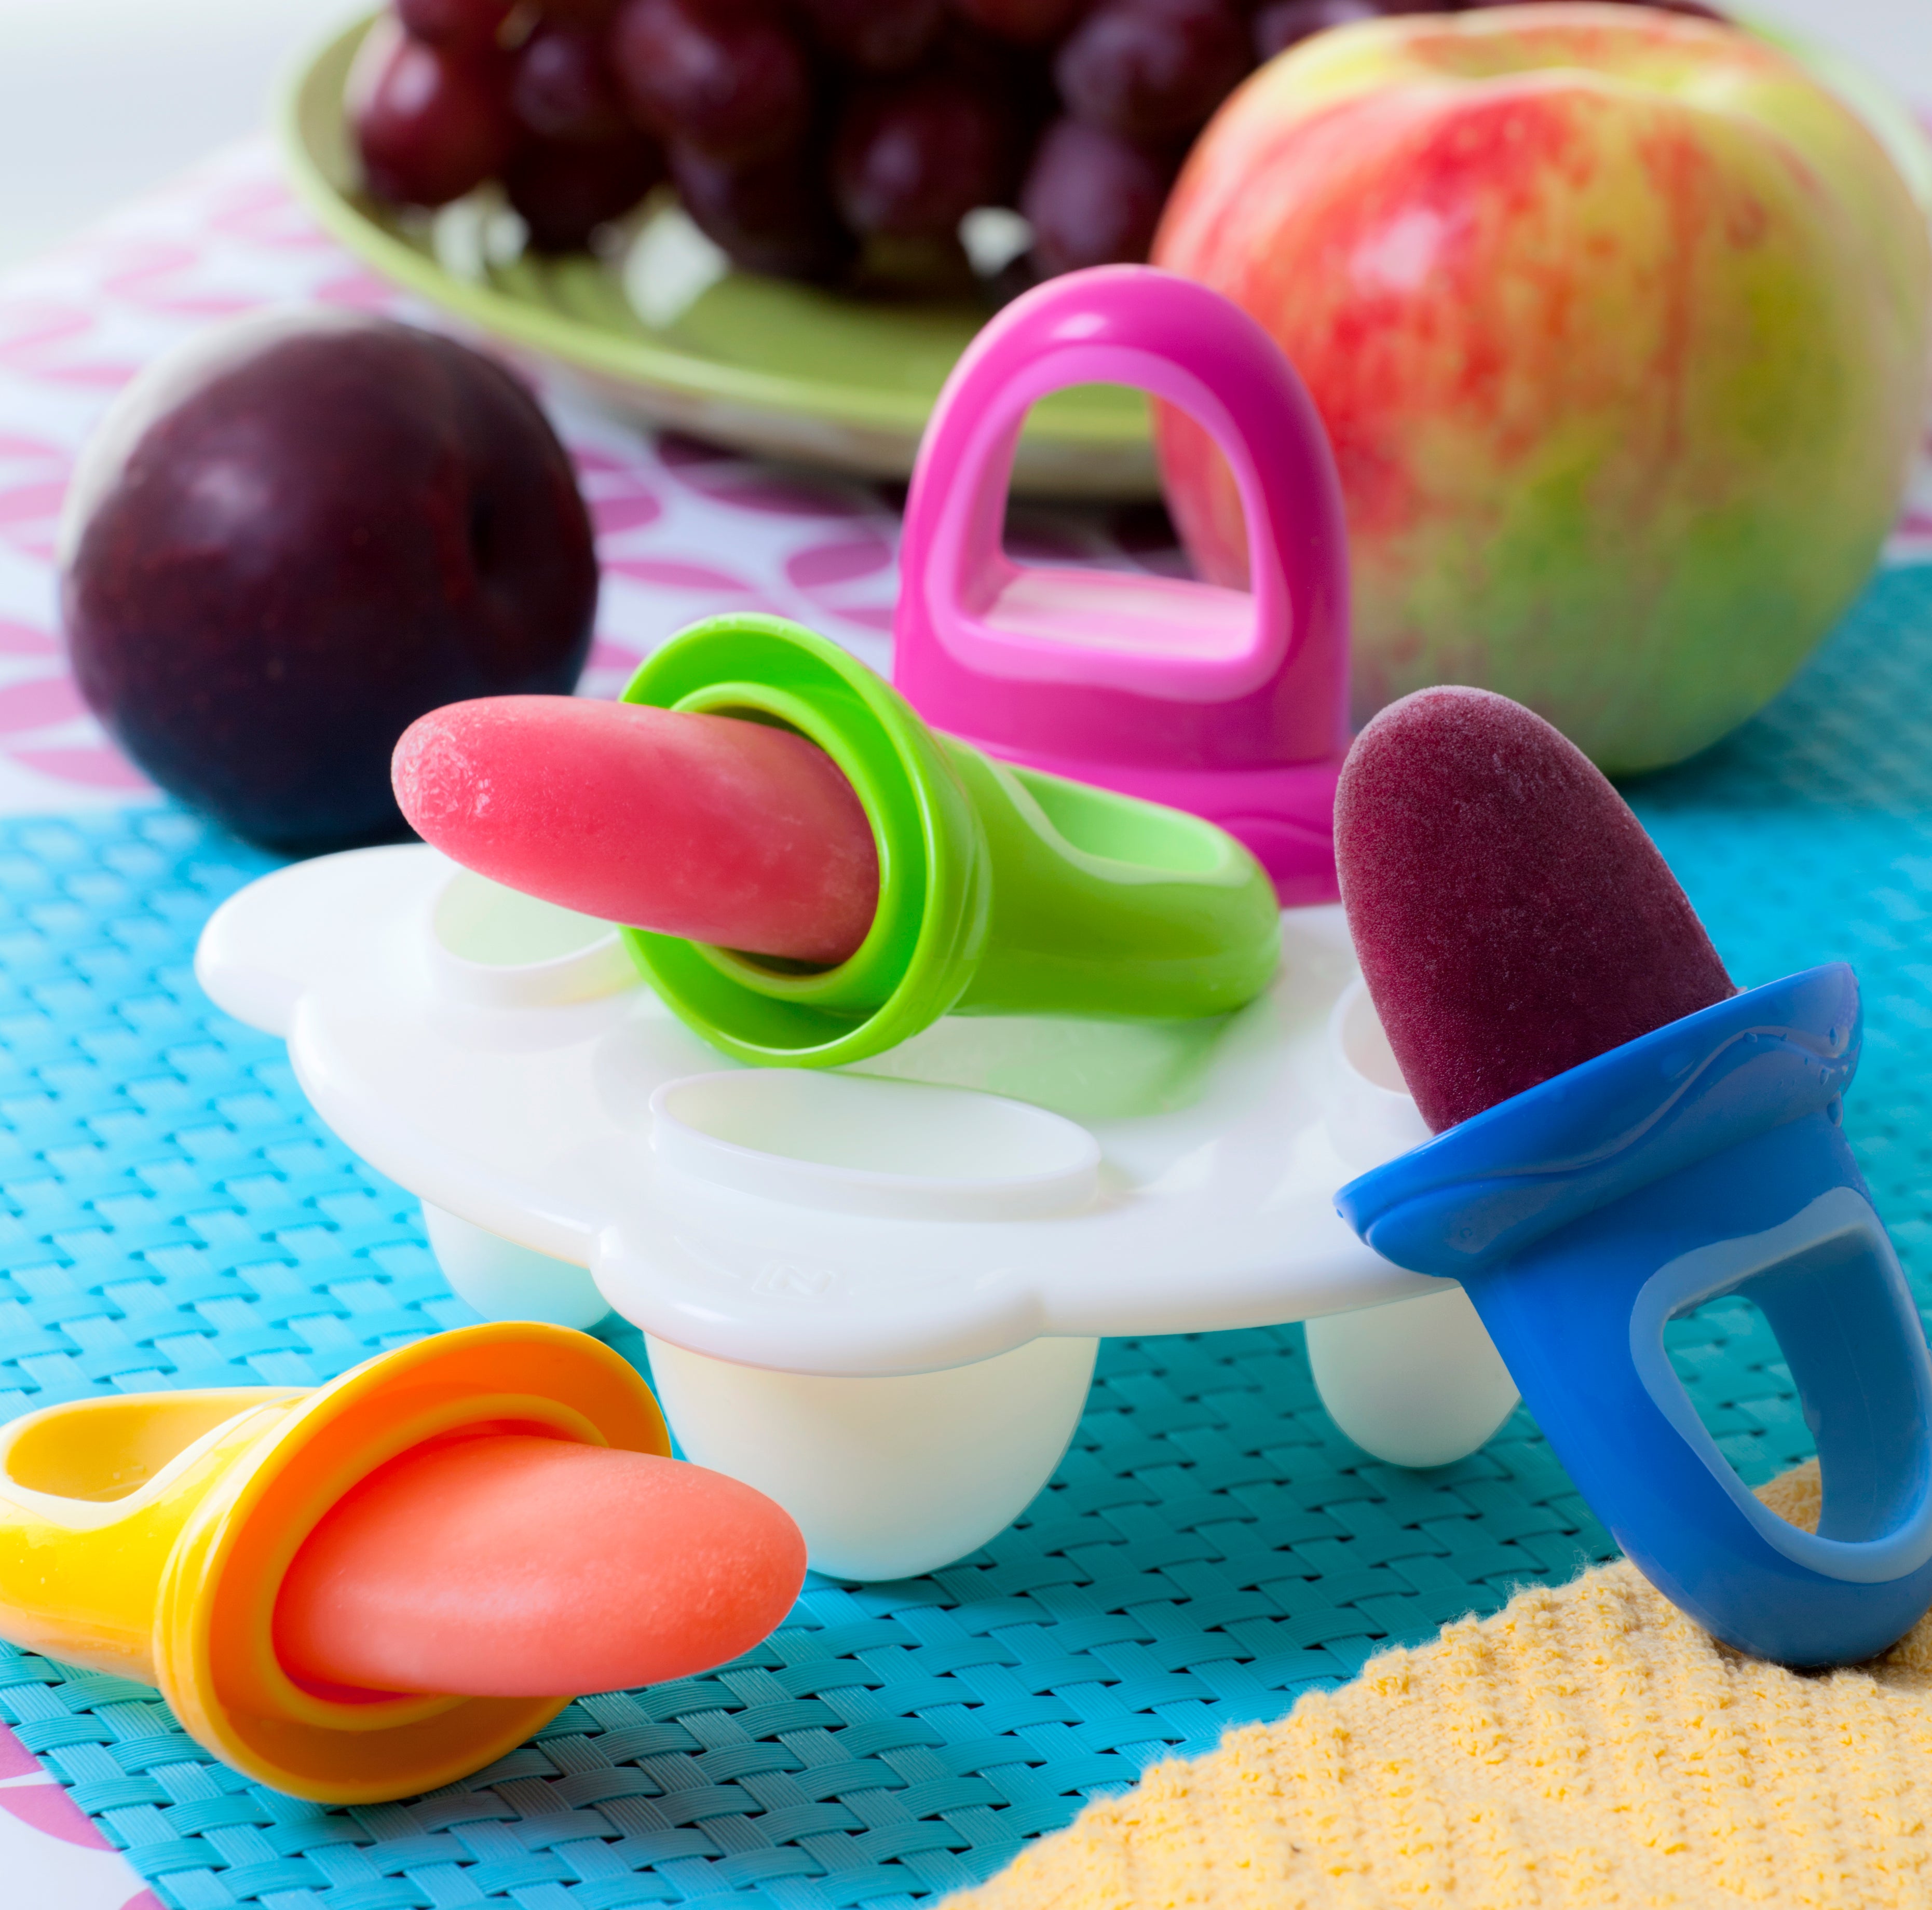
1179	341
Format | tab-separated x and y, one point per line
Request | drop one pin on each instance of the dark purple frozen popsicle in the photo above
1511	916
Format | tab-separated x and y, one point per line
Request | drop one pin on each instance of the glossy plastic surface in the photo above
1121	1177
919	1252
1704	1158
1231	705
1001	892
1416	1382
147	1537
503	1281
888	1478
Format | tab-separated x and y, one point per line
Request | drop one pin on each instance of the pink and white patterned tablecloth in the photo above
684	530
52	1855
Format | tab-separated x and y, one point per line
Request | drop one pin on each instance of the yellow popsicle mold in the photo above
148	1536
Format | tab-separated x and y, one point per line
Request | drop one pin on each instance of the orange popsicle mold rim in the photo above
172	1579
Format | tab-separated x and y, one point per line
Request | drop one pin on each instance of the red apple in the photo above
290	538
1619	322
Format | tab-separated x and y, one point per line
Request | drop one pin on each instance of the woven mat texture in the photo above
174	1215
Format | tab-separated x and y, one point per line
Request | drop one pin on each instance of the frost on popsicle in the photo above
723	831
508	1566
1512	919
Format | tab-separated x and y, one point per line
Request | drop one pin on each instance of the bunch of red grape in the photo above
802	134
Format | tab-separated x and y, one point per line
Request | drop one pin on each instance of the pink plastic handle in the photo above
973	626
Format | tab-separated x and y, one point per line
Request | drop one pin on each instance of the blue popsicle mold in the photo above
1703	1159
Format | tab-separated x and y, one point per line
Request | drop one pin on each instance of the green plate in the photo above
762	364
758	363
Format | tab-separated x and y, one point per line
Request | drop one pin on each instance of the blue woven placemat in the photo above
174	1215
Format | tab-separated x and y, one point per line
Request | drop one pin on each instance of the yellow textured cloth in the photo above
1588	1746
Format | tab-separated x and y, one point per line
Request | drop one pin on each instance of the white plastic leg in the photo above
1417	1382
504	1281
887	1478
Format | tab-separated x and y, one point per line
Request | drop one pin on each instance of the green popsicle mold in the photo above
1002	891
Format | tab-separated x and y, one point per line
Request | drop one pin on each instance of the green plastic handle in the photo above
1002	891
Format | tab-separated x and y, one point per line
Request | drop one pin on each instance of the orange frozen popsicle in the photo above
717	828
513	1567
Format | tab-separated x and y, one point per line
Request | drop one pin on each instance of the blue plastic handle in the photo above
1702	1159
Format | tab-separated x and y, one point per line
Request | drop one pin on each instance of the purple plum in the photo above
293	536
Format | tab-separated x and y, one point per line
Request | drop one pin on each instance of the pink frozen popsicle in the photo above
1512	919
515	1566
715	828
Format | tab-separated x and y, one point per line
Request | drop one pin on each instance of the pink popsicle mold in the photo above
1232	705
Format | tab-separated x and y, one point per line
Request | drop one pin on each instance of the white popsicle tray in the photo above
874	1291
